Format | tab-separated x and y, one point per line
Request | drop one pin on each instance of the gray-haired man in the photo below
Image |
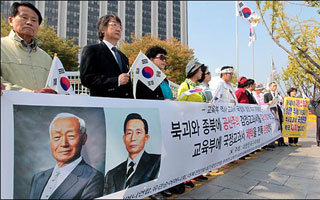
72	177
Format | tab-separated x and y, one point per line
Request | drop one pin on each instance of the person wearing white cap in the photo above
193	74
222	90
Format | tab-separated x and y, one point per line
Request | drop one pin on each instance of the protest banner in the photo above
185	140
295	117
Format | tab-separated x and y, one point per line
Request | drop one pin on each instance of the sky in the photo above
212	35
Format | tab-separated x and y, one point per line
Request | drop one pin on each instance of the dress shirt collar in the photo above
70	166
64	171
32	45
135	161
109	45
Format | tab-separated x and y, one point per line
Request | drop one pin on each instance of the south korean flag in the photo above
58	79
148	73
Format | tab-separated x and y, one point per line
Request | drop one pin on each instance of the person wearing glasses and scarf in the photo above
158	56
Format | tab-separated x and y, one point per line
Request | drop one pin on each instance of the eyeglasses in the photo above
208	73
162	57
115	25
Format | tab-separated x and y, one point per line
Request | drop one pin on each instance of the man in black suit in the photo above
103	68
72	177
140	166
251	86
271	98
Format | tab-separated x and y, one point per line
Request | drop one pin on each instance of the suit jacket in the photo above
147	170
99	72
84	182
268	97
251	98
144	92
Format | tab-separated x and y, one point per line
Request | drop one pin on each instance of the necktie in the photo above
129	174
116	52
51	186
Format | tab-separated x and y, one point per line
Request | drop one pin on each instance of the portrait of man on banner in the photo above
139	164
73	167
275	113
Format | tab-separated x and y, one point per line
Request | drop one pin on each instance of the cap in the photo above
242	79
192	66
259	86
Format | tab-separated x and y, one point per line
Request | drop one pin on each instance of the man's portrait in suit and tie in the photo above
71	177
139	166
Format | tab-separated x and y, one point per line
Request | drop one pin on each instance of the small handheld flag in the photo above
194	90
58	79
147	72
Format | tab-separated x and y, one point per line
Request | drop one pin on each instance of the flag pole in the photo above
272	64
253	60
237	45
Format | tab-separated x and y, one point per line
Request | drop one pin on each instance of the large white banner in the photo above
185	139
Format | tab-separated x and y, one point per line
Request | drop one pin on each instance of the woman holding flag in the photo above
158	56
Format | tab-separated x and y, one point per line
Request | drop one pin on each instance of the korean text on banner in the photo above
177	142
295	117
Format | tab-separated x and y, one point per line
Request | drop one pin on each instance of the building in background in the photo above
77	19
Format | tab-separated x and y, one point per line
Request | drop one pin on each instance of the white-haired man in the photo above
72	177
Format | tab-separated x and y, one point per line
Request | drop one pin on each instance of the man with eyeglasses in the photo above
103	68
222	90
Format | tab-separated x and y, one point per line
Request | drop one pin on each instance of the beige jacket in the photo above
21	70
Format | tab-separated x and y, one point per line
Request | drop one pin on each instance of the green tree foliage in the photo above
301	35
178	55
294	76
49	41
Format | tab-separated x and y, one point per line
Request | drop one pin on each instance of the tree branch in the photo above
308	57
312	73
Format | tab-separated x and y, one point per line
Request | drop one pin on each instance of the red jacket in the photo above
242	96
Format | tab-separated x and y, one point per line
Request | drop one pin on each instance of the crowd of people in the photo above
104	70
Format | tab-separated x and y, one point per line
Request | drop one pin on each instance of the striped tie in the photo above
129	174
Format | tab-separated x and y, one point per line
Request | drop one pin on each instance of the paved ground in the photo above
280	173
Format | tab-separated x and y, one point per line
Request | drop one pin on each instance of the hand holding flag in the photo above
194	90
147	72
58	79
